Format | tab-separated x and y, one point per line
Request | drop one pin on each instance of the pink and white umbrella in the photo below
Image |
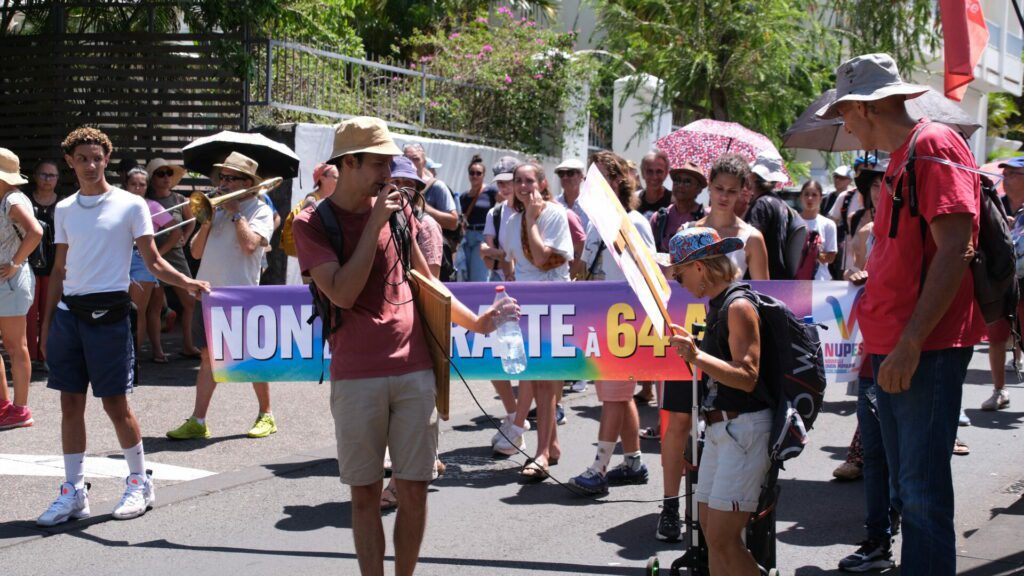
703	141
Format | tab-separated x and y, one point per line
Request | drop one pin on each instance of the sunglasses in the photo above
47	176
684	180
476	173
163	174
567	173
229	178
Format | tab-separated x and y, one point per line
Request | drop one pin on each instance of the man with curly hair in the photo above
86	334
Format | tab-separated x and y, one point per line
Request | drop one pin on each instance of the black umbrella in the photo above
274	159
813	133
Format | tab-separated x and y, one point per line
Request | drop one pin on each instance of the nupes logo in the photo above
848	323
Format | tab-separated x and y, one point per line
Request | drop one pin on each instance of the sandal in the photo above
960	448
194	354
160	359
389	498
534	472
643	400
650	433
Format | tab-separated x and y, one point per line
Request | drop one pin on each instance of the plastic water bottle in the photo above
510	337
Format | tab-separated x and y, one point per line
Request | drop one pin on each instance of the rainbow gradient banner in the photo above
572	331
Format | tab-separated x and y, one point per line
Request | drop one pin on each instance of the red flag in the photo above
965	36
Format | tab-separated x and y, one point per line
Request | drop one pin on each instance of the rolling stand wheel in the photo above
653	566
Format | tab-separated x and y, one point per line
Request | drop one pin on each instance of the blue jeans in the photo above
918	429
876	470
474	264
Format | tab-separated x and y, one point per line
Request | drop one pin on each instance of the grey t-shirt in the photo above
9	239
224	263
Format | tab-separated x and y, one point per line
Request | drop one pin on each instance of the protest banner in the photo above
572	331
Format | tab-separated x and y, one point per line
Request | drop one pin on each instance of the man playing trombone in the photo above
230	243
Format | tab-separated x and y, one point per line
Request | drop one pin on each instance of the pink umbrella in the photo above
703	141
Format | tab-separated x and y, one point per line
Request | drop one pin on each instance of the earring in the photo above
703	288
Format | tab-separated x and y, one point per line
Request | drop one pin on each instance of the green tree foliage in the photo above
905	29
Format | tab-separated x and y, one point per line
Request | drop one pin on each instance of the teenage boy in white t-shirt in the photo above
86	333
810	199
231	246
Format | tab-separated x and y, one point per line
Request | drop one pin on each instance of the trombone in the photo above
203	206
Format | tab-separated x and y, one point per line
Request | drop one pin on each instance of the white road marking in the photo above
50	465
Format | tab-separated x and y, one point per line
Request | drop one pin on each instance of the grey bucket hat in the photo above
868	78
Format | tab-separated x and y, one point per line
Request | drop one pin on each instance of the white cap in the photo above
843	171
570	164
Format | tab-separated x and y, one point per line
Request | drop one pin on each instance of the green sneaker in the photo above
263	427
190	430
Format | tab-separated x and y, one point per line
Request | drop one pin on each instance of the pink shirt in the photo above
381	334
894	266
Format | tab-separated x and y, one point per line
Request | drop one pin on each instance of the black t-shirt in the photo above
478	217
716	343
44	214
770	215
647	208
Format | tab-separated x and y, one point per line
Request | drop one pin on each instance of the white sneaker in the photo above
138	497
70	504
579	386
1000	399
504	428
964	420
516	441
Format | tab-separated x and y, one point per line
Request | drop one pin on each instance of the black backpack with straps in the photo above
994	265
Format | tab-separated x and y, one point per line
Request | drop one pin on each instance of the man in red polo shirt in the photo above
920	325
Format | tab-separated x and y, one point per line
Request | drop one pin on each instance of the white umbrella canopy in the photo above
274	158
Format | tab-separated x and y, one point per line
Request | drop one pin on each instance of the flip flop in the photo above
641	399
388	498
650	433
160	360
960	448
533	472
196	354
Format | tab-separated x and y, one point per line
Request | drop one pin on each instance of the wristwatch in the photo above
236	217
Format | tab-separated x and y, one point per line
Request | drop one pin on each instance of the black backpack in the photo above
791	377
994	263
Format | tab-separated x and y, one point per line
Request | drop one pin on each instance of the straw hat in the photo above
177	172
239	163
362	134
868	78
10	168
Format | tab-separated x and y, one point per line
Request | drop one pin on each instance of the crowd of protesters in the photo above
514	223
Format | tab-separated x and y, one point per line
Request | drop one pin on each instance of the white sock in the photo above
632	460
136	459
604	456
74	469
200	421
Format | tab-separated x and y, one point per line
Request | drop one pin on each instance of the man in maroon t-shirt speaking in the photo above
382	384
920	339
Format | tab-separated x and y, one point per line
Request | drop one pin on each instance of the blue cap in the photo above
1017	162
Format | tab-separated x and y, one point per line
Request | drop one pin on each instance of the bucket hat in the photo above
768	165
693	170
402	167
10	168
177	172
868	78
362	134
239	163
692	244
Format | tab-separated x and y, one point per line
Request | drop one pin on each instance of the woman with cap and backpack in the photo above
735	460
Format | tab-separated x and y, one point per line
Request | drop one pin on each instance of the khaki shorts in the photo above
735	462
615	390
396	412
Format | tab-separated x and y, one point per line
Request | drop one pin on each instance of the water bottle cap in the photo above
808	319
499	289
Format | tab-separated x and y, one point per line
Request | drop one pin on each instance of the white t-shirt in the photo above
224	263
837	209
608	267
10	241
826	228
553	226
100	232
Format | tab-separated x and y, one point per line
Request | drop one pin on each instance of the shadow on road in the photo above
301	518
842	408
635	538
157	444
1001	420
802	502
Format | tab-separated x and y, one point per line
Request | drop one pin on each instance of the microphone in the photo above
399	232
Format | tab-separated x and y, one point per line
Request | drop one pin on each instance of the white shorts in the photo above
735	462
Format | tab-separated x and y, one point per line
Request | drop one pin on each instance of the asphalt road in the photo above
275	506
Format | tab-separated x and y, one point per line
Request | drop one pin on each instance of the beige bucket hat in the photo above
868	78
177	172
239	163
10	168
362	134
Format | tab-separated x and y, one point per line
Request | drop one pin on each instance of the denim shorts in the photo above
735	462
139	272
17	292
79	353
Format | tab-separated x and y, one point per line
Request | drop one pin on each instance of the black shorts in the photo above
198	327
677	396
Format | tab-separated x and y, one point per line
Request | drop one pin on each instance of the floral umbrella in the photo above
703	141
993	168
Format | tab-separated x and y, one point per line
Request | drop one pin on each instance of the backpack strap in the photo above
910	176
660	224
496	220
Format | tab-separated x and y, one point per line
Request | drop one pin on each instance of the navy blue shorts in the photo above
79	353
198	327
